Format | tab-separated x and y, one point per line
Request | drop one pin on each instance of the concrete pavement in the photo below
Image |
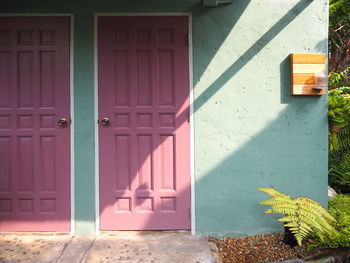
128	247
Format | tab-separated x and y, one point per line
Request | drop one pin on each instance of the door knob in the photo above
62	122
105	121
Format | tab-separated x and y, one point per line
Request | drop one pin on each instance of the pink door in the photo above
145	143
34	149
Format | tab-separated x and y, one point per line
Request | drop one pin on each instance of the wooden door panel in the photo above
34	150
144	151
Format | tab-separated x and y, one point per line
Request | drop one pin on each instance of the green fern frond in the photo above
343	138
303	216
292	226
272	192
283	209
275	201
305	226
342	78
299	238
339	161
291	219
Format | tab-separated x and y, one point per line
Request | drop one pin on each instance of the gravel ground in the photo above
255	249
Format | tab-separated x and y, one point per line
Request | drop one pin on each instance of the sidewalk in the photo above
138	247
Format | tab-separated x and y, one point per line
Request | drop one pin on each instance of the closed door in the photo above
34	145
144	134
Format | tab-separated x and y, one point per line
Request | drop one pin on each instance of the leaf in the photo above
303	216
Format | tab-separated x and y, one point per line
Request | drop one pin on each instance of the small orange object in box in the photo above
308	73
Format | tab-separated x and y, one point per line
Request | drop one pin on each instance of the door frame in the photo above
190	70
71	100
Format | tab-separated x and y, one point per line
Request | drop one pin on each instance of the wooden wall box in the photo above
304	68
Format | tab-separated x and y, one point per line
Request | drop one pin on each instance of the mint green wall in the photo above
249	131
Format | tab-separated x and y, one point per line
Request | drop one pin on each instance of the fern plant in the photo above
303	216
339	161
338	108
339	208
341	79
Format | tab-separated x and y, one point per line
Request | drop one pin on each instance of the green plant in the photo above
339	161
339	80
338	109
339	32
303	216
339	208
339	139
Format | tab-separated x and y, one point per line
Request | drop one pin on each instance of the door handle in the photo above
105	121
62	122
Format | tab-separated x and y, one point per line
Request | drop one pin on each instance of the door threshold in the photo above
145	233
36	233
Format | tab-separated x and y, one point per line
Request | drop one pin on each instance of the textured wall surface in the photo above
249	131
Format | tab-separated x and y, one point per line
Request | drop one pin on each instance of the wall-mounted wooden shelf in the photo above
304	68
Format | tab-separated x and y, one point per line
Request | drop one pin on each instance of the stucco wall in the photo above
249	131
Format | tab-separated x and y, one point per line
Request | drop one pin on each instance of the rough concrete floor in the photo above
126	247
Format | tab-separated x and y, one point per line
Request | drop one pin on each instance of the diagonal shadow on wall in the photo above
249	54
